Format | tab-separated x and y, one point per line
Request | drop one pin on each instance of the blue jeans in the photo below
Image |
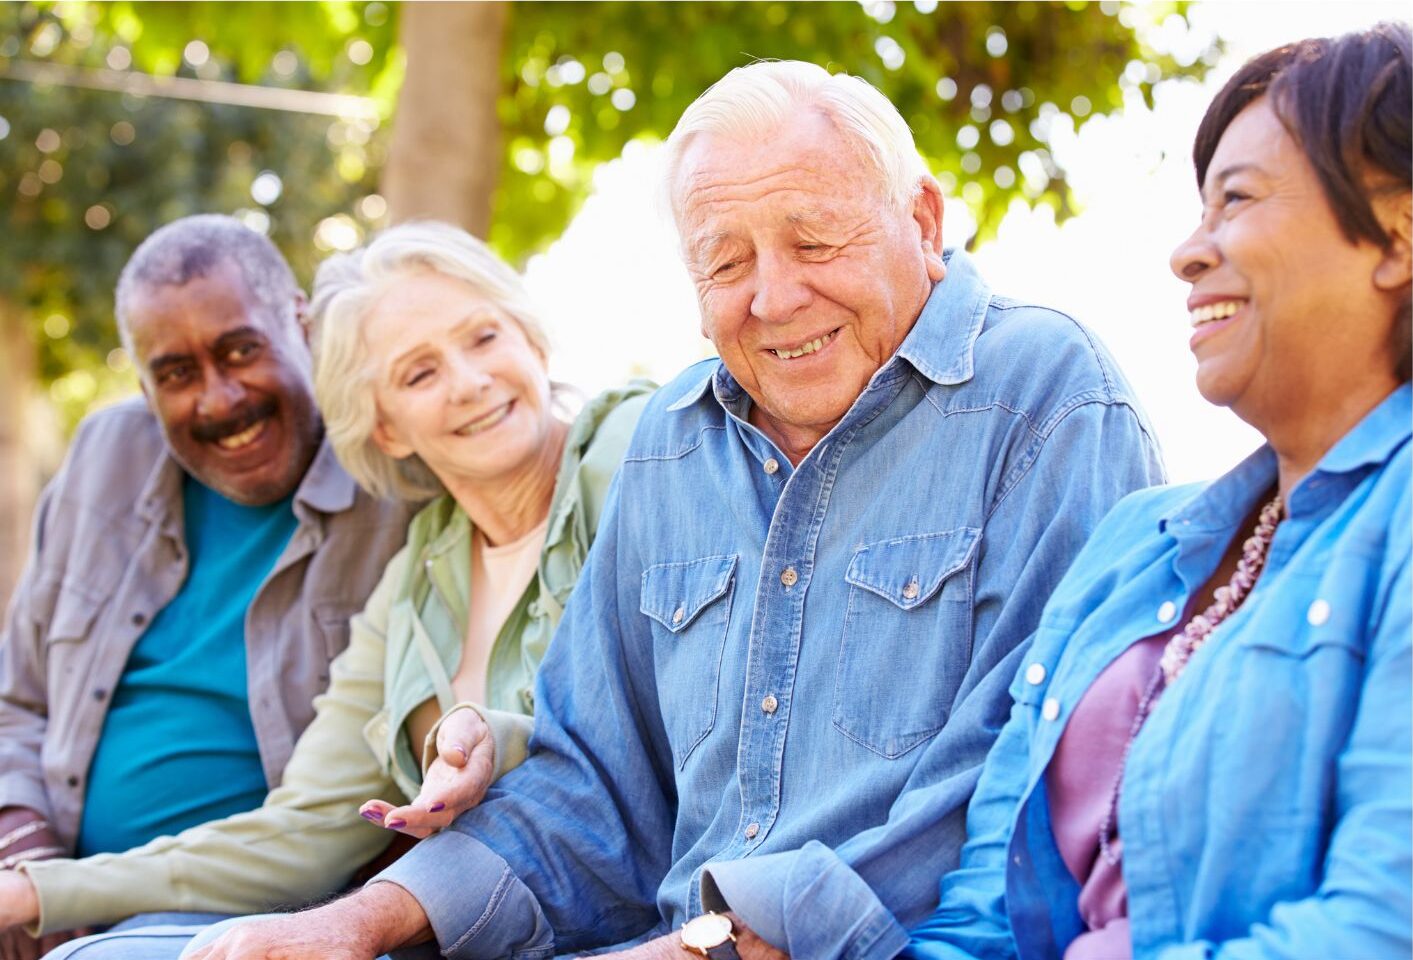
147	936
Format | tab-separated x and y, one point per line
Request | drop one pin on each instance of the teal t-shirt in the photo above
178	747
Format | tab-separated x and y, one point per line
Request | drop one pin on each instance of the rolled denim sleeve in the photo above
567	850
857	900
485	912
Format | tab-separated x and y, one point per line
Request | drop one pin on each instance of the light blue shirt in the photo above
786	678
178	746
1265	810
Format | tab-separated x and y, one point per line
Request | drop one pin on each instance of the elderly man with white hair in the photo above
773	687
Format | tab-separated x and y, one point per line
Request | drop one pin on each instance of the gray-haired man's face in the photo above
230	382
807	276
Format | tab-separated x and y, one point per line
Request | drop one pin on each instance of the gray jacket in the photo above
108	553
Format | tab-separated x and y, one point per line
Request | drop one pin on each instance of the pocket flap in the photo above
907	571
674	593
74	613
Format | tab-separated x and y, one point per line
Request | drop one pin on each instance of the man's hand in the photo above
376	919
748	945
455	782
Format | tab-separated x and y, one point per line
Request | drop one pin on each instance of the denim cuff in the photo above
807	902
475	903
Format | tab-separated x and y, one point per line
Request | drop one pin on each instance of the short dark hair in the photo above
1348	102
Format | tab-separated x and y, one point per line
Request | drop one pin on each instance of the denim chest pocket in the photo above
906	639
1290	685
689	604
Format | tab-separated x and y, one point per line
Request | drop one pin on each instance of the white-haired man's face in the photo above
808	278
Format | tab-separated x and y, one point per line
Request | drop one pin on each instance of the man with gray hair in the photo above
773	688
193	569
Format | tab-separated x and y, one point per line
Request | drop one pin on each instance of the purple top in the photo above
1080	782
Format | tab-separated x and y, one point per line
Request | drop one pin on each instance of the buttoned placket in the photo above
777	622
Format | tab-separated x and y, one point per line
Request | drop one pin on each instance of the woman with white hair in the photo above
431	373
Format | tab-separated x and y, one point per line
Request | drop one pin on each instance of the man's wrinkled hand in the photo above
296	936
364	925
455	782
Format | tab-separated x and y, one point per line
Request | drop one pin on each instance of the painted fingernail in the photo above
396	824
371	815
462	750
437	807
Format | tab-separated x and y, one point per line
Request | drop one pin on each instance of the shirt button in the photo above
751	830
911	591
72	781
100	694
1318	613
789	577
1035	674
1050	709
138	619
1167	612
771	465
678	614
769	703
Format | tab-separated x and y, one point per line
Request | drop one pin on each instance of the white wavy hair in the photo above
345	287
753	101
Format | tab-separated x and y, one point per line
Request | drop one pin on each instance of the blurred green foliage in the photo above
85	174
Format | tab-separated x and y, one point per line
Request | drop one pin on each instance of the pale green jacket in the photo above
307	840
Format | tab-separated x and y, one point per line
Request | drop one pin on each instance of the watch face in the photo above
707	931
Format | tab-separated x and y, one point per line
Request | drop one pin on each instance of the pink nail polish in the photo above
396	824
437	807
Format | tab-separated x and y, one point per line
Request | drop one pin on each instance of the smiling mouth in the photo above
812	346
238	441
1213	312
485	421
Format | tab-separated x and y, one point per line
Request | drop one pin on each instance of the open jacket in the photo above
307	839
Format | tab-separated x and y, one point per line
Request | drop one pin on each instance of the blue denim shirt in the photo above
789	677
1265	809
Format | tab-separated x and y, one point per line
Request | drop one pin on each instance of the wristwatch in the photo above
712	936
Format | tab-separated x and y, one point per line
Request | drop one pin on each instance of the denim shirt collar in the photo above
939	346
1225	502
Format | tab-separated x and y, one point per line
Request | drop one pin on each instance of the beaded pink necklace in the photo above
1186	642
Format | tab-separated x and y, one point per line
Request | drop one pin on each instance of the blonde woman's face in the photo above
457	383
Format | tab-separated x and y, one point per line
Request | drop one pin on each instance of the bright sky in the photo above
619	302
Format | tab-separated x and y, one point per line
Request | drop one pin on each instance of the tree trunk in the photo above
445	152
19	468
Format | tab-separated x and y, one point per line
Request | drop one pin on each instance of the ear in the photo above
301	315
927	214
1395	270
386	439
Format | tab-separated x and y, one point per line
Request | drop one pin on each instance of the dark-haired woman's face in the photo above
1285	311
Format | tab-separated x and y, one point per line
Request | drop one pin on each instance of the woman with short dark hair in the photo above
1210	753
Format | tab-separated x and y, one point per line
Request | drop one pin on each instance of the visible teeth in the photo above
1215	311
485	422
805	348
237	440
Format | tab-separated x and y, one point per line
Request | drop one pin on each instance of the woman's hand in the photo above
19	904
455	782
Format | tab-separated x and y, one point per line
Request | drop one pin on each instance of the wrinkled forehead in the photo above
803	167
203	308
